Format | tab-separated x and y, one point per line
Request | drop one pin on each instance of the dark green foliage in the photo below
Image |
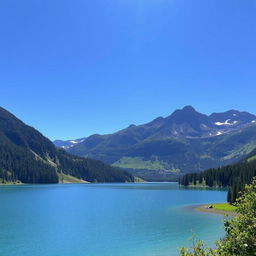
233	176
24	152
183	140
18	163
91	170
23	135
240	239
26	155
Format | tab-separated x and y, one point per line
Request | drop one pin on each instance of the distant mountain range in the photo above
186	141
29	157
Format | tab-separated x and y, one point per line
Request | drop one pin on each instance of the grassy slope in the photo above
28	156
252	158
64	178
172	154
224	207
140	163
138	179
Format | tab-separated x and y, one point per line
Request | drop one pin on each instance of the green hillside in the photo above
183	154
26	155
234	176
186	141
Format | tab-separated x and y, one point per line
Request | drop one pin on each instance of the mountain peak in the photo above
131	126
189	108
186	113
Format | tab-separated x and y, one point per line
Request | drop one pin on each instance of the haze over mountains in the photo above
186	141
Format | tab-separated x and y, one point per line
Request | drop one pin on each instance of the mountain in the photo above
26	155
68	143
186	141
234	176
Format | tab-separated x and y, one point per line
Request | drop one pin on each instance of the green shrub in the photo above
240	239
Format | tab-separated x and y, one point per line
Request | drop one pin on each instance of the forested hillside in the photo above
234	176
165	148
26	155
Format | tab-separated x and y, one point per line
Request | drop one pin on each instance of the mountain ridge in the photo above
182	142
216	121
26	155
234	176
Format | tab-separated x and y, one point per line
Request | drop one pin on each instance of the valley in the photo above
166	148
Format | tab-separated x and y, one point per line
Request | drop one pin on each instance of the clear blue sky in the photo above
72	68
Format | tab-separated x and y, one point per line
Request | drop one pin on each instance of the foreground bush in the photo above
240	239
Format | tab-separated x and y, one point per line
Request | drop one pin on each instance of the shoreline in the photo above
11	183
205	208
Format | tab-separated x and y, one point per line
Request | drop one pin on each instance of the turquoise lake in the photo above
149	219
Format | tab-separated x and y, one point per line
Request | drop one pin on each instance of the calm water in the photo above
104	220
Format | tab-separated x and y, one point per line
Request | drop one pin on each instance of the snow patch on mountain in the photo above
226	123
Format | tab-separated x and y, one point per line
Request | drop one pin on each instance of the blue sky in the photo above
74	68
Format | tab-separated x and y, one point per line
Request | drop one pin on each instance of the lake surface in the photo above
149	219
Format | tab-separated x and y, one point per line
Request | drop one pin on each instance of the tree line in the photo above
240	238
27	156
233	176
